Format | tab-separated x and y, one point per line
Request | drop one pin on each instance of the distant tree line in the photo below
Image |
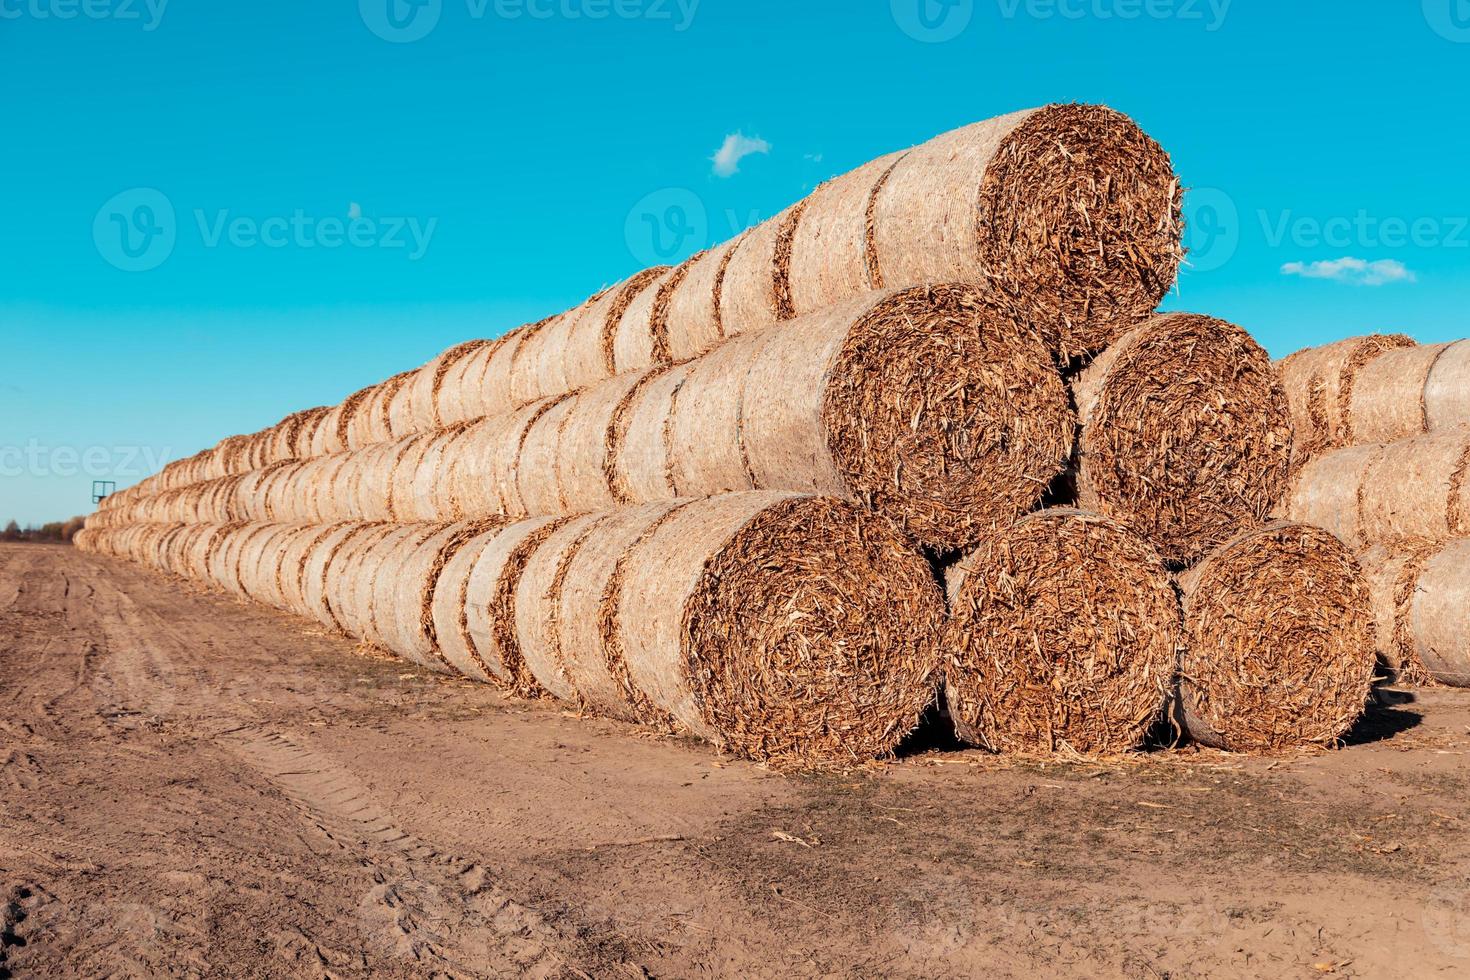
57	532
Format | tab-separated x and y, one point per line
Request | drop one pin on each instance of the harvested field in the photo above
401	824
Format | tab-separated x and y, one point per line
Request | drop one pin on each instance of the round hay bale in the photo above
538	605
537	367
587	591
1324	492
316	573
791	630
1388	400
1408	491
1279	641
583	462
638	445
537	487
455	399
1440	617
449	604
413	631
1393	577
1416	489
1447	392
397	591
829	258
633	347
1185	434
1319	384
689	313
490	603
1079	219
748	300
1064	636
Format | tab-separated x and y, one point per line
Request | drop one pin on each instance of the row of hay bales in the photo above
716	498
1375	389
1071	212
806	631
1382	460
932	405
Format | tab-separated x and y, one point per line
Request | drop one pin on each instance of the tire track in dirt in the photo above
435	909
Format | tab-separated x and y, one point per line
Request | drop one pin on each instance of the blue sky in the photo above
505	158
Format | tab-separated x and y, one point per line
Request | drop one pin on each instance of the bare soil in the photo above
191	786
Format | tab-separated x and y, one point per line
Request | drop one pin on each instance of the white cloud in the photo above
1358	272
354	211
737	147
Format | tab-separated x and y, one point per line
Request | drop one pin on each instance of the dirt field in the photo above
191	786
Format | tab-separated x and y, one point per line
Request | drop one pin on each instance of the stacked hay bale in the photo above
1375	389
793	629
713	498
1400	505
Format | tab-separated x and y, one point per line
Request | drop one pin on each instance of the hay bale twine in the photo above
1064	636
787	629
1319	384
1186	434
1279	641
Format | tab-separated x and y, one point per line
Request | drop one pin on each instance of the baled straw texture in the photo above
1440	616
792	630
1413	490
1279	641
1063	636
1069	211
931	405
1185	436
1393	580
1319	384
